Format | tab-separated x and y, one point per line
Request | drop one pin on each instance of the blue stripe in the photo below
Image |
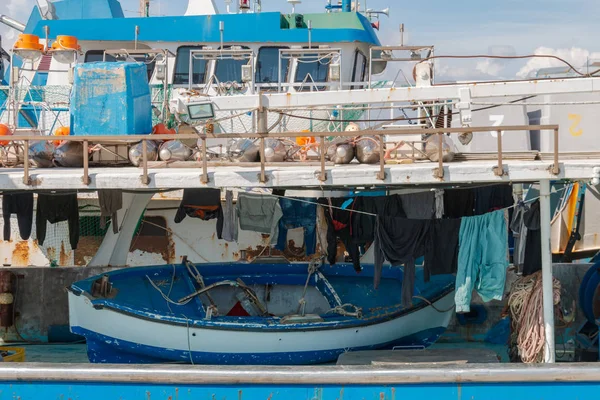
105	349
239	28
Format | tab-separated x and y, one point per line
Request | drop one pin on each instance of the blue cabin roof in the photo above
108	24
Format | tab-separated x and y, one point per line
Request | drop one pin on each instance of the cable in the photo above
512	58
433	305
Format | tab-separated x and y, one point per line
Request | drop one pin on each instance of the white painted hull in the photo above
138	340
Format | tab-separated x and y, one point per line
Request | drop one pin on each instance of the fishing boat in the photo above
246	313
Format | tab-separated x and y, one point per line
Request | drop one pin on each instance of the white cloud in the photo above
576	56
17	9
490	67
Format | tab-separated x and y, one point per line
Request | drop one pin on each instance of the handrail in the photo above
438	172
301	375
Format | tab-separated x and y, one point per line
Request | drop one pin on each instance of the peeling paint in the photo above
20	254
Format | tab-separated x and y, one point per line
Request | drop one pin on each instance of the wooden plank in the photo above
412	357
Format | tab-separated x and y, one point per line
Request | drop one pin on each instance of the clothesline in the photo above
303	200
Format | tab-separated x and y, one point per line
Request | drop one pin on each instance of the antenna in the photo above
293	3
401	34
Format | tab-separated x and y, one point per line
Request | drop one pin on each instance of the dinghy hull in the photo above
116	333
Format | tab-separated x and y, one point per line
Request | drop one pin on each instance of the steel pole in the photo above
547	286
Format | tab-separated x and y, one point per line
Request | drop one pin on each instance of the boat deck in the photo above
293	175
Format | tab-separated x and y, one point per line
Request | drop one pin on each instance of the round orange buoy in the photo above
61	131
28	42
4	131
63	42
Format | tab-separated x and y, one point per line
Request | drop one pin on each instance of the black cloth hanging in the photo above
459	203
339	226
363	225
204	204
20	204
55	208
441	252
492	198
533	242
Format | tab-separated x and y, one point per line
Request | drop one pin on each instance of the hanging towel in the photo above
204	204
519	231
55	208
439	203
298	213
259	213
22	205
230	220
110	201
419	205
482	261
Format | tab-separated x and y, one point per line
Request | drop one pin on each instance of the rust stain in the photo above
162	245
20	255
51	251
63	258
86	249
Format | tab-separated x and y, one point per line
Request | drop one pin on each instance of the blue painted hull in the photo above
132	353
138	326
455	391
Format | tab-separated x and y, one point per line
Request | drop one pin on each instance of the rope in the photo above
342	310
433	305
525	304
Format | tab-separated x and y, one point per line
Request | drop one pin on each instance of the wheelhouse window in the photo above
98	55
182	67
229	69
267	66
360	69
312	68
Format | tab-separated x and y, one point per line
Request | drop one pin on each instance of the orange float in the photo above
5	131
28	47
161	129
65	49
61	131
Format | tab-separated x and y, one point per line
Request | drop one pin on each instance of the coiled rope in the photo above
525	304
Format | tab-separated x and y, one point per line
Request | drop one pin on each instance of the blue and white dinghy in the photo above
277	314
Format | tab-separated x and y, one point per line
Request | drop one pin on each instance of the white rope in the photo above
164	296
525	304
549	103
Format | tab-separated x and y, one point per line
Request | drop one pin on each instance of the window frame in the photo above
297	82
284	77
207	67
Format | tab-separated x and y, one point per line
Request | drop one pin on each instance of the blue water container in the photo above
110	98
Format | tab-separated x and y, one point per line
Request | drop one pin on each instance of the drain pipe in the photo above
346	5
13	23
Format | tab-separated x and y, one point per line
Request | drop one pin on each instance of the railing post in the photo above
322	174
499	170
263	130
145	177
204	177
262	177
439	173
381	174
26	179
555	166
86	161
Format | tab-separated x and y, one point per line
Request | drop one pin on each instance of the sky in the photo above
567	28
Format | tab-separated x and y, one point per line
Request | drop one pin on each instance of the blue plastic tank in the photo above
110	98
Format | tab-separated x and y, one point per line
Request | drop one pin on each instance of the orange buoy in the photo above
305	140
161	129
63	42
61	131
4	131
28	47
28	42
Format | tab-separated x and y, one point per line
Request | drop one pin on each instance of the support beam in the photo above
115	246
547	286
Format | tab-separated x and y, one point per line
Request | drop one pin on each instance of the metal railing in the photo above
204	178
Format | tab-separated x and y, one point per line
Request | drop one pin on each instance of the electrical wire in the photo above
528	56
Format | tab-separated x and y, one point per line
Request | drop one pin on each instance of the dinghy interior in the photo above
241	313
